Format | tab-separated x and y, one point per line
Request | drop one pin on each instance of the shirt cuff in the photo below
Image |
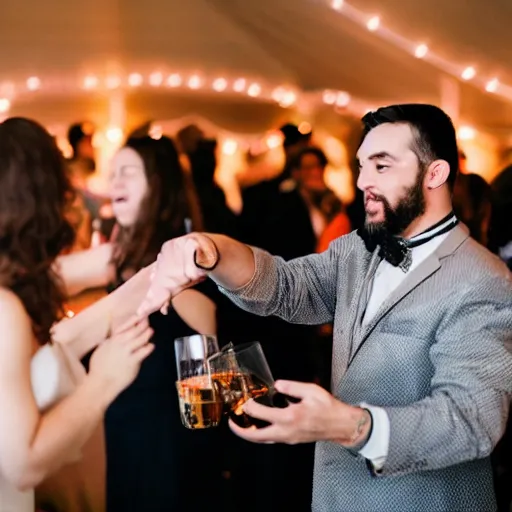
376	448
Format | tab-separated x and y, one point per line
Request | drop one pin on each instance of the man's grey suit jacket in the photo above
436	356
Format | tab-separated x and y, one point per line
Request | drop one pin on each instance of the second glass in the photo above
240	373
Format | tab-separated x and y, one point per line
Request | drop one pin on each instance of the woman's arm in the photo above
82	270
197	311
86	329
32	445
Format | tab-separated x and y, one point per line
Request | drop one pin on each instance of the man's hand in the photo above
317	417
182	263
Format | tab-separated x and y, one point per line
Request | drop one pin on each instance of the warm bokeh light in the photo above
468	73
33	83
373	23
421	51
135	80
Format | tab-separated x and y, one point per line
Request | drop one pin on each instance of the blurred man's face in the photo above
310	174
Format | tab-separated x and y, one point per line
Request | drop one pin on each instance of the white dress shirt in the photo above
387	278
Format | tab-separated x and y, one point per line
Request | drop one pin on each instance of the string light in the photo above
33	83
229	147
278	93
156	79
90	82
114	134
466	133
174	80
194	82
342	99
254	90
284	96
421	51
288	99
220	84
135	80
468	73
274	140
492	85
239	85
5	105
329	97
373	24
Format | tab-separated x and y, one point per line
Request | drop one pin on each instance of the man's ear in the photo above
437	174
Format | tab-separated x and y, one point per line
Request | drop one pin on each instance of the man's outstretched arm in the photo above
301	291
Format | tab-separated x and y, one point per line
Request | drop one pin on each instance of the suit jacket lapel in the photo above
359	305
428	267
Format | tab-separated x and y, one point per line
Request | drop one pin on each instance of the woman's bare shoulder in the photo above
14	320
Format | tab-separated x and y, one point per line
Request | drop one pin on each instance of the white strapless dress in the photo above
54	373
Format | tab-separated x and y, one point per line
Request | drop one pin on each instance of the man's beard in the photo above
396	220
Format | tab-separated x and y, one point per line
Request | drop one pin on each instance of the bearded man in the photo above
422	363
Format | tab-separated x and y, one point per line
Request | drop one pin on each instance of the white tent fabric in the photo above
301	42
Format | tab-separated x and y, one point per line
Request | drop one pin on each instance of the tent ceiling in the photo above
291	41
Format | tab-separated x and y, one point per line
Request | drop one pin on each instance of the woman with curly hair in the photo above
46	414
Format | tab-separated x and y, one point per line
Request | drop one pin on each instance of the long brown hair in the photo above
34	195
163	210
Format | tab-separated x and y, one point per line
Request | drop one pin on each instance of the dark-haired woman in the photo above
153	462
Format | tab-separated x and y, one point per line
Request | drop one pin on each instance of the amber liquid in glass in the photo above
200	404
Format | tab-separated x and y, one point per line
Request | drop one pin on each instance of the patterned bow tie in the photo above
392	249
396	250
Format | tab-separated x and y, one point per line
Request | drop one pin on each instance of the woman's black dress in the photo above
154	463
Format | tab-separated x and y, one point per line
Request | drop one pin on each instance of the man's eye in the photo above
381	167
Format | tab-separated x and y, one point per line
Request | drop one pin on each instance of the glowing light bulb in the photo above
466	133
114	134
194	82
421	51
135	80
239	85
278	93
229	147
156	79
274	140
33	83
492	85
220	84
288	99
373	23
90	82
329	97
174	80
342	99
468	73
254	90
5	105
337	4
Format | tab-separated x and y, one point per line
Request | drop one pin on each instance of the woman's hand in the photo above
116	361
